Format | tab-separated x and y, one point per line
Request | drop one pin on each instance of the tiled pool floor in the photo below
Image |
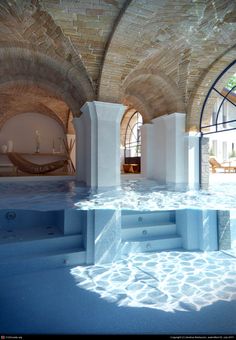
168	280
165	293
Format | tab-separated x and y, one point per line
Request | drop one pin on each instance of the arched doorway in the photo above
131	142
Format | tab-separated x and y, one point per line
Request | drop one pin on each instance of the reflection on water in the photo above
146	195
42	195
169	281
139	194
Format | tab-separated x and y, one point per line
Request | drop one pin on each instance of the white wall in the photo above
21	130
175	144
147	167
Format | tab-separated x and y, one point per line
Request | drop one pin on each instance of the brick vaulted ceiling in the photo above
157	56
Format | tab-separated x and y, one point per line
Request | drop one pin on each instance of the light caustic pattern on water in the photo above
138	194
148	196
168	281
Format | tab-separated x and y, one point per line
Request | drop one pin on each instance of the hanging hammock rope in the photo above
26	166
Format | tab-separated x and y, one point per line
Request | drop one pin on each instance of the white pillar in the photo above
163	157
175	157
169	154
98	144
192	140
158	149
147	150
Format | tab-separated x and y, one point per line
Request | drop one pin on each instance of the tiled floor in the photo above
165	293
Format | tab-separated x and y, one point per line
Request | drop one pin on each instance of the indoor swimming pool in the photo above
139	245
54	223
137	194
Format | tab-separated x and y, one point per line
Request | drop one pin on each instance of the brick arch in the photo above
24	82
27	25
201	90
23	96
133	101
152	95
22	64
21	85
35	108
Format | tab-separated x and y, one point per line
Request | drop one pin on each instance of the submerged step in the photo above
131	232
139	218
50	260
166	242
41	246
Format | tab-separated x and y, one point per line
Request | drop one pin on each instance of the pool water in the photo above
139	194
173	279
141	210
167	281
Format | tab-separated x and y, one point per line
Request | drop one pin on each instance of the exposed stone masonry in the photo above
205	162
154	56
223	218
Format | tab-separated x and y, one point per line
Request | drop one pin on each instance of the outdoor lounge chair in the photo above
26	166
216	165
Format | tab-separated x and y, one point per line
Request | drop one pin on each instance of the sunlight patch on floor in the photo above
168	281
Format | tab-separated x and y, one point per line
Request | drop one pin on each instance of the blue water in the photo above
140	293
138	194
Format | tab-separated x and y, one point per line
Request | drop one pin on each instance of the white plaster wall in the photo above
191	170
83	172
159	149
175	155
147	150
164	156
21	130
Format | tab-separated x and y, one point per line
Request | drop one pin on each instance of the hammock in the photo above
26	166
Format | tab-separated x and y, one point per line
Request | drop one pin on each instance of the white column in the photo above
159	156
192	140
169	154
98	144
164	147
147	150
175	157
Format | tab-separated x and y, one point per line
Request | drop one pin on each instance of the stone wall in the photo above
158	57
224	232
205	168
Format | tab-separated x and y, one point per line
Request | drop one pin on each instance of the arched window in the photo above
221	103
133	136
218	123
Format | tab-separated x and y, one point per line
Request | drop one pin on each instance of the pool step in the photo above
149	244
130	232
23	256
40	246
147	218
149	231
50	260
